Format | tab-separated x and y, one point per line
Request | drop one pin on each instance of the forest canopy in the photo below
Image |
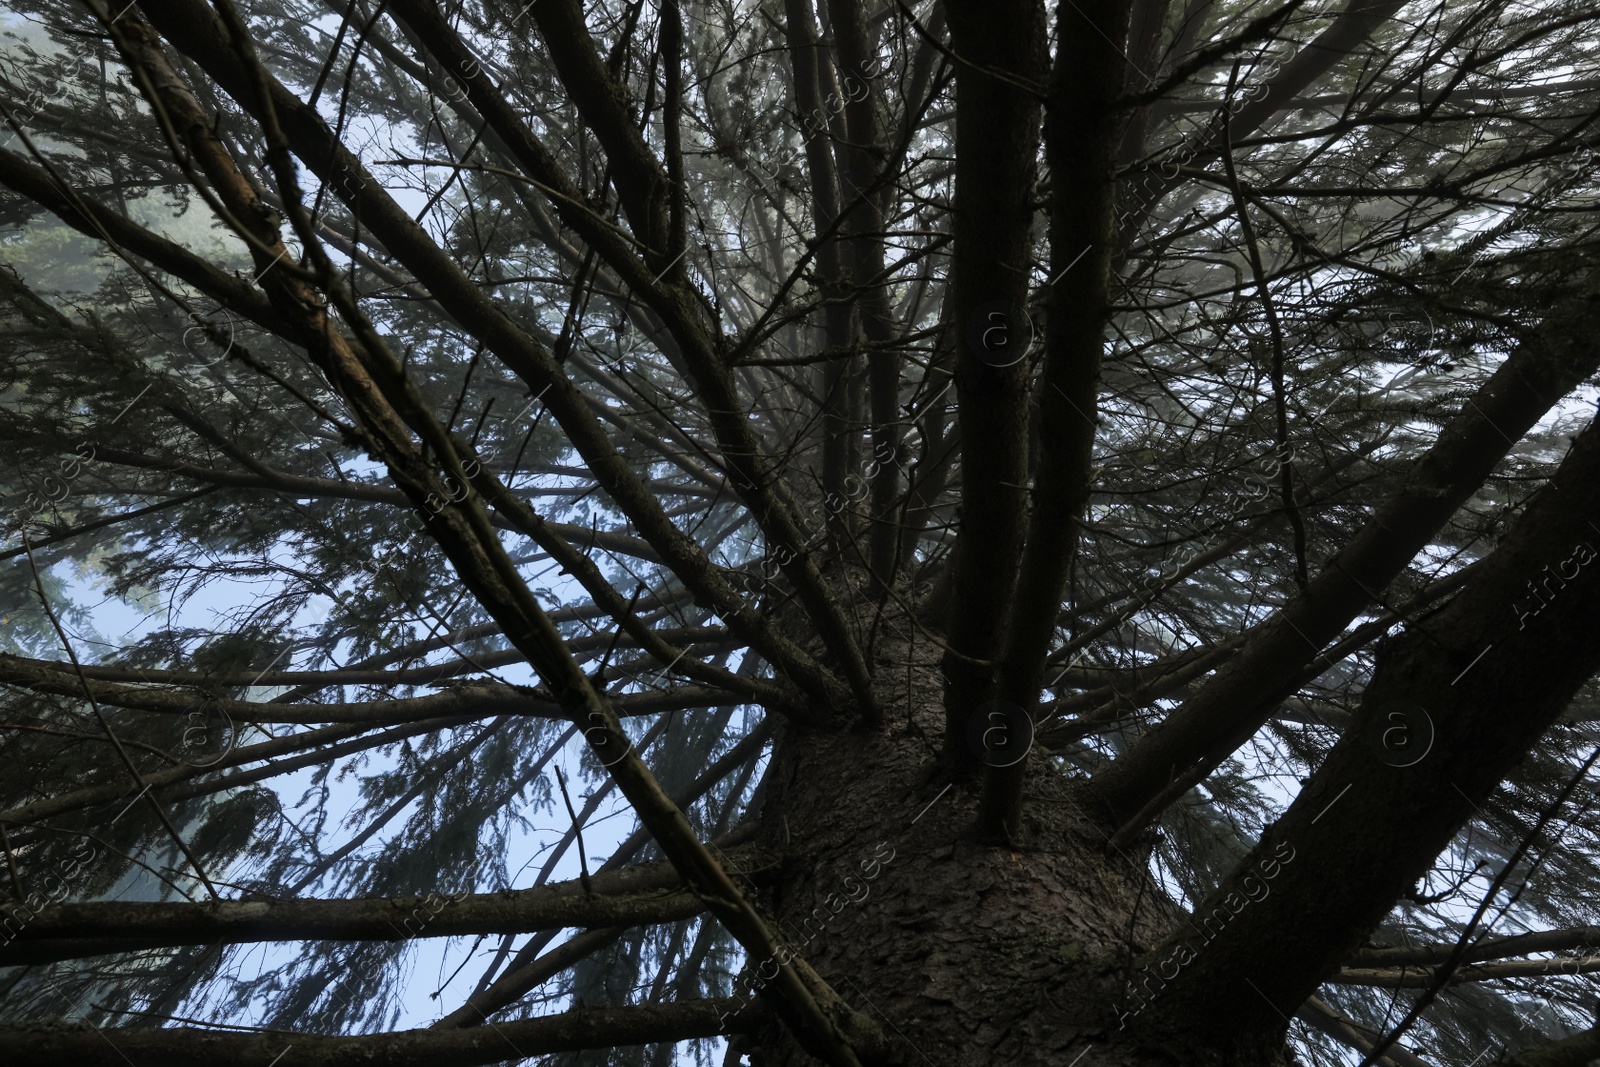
854	532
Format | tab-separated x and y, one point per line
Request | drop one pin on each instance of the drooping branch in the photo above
19	669
1343	813
427	780
477	698
529	969
1489	948
1195	739
1428	977
639	178
301	485
389	409
93	220
308	748
756	477
651	893
1579	1050
1348	1032
195	30
1351	29
587	1028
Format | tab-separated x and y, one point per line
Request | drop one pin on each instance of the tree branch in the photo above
588	1028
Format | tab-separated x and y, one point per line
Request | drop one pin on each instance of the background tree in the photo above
1066	532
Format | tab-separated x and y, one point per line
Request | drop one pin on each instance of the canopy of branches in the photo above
447	444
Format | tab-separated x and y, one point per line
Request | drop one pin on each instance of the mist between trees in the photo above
503	500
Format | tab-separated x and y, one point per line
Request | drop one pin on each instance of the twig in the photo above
577	830
138	779
605	660
1280	403
1443	974
11	862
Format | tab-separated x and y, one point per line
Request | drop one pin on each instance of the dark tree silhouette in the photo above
1066	532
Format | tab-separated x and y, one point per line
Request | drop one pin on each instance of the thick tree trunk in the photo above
963	953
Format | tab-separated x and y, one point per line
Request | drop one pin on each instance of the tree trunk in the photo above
963	953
